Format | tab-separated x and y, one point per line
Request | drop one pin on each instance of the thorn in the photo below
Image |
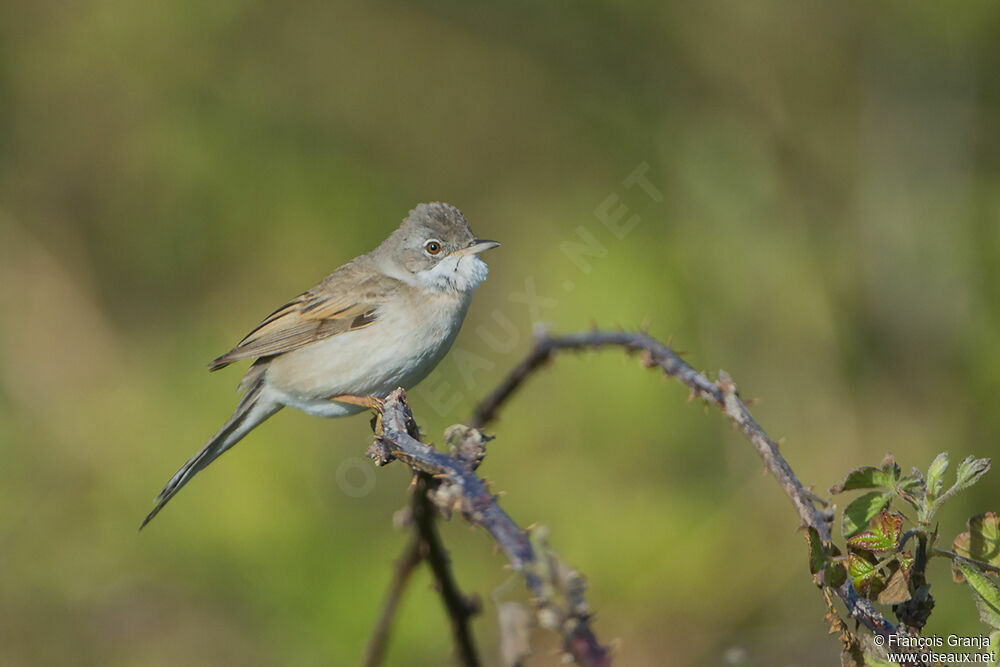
726	383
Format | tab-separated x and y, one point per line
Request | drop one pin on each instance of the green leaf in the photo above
981	541
882	535
971	471
986	589
905	561
861	478
935	474
862	510
860	570
870	478
817	555
820	556
913	483
987	614
834	575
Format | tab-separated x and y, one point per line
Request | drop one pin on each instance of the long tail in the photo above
251	411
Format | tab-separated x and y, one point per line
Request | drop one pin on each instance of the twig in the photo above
722	394
460	489
426	545
460	608
405	565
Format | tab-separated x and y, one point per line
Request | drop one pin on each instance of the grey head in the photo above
434	248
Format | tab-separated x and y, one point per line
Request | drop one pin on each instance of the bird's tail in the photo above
251	411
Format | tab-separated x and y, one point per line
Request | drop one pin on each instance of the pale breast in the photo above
407	340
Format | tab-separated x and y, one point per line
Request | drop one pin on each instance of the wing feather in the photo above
320	313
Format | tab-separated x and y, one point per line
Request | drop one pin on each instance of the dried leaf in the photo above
980	542
897	589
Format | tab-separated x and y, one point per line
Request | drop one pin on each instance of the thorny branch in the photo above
459	489
721	394
425	545
460	608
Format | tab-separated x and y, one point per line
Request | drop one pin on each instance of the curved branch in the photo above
722	394
425	545
461	490
460	608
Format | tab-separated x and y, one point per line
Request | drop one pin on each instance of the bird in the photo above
383	320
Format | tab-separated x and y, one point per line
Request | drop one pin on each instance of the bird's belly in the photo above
396	350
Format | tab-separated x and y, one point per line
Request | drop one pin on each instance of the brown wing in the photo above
309	317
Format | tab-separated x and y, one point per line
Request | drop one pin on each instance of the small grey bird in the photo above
381	321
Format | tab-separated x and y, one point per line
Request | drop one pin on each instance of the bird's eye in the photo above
433	247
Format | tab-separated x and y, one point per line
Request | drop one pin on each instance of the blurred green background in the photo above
171	172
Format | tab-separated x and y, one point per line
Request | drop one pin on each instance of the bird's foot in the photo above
371	402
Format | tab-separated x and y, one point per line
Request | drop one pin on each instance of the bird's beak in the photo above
477	246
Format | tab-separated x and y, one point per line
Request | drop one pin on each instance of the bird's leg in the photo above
364	401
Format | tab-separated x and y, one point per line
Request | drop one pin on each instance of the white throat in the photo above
454	273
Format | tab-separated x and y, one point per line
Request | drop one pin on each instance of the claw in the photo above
371	402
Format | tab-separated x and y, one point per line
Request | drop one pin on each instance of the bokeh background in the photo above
172	171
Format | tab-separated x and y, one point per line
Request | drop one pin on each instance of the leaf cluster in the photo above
887	552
